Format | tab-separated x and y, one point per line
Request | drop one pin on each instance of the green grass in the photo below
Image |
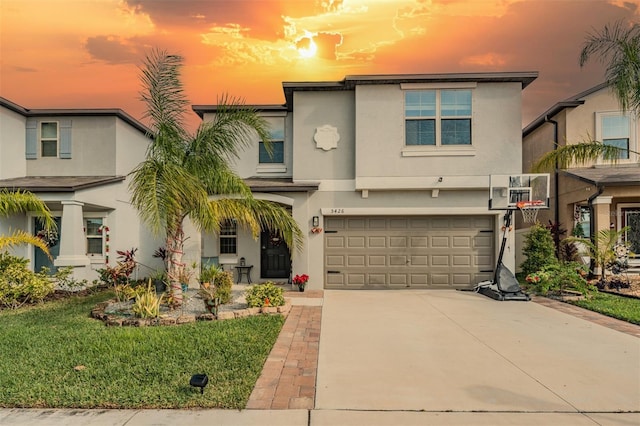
623	308
127	367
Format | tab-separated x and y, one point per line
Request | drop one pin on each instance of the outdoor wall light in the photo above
199	381
315	221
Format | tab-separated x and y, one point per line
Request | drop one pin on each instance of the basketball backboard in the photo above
506	191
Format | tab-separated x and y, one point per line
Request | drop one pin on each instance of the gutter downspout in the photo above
556	185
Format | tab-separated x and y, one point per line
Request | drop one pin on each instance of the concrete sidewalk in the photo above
425	357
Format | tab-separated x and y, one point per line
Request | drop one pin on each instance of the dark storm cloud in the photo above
113	50
263	19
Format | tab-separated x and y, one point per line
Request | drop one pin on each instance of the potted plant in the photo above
301	281
208	275
159	279
210	298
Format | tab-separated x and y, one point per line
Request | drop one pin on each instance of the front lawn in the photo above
624	308
54	355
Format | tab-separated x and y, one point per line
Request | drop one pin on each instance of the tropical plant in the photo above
618	46
183	171
266	294
602	249
13	202
147	303
539	249
558	277
19	285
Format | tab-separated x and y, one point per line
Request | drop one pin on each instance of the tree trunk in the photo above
175	266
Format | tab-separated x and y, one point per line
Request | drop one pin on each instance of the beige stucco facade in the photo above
610	191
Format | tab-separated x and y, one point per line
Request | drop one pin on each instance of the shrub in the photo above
539	249
19	285
223	282
65	281
559	277
147	303
267	294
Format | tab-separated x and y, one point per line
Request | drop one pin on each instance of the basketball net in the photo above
529	209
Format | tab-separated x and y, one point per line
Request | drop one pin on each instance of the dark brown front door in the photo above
275	259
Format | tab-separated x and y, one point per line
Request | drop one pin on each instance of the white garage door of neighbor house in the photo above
370	252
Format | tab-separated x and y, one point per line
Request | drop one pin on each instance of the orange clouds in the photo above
85	54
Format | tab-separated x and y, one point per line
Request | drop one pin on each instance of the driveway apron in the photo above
461	351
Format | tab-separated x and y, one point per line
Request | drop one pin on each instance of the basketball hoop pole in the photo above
507	223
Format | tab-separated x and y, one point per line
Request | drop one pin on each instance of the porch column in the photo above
601	216
73	250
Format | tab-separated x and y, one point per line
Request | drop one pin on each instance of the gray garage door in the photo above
415	251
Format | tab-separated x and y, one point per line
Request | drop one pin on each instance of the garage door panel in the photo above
335	260
395	242
377	242
440	241
459	241
439	261
417	252
419	260
377	260
334	242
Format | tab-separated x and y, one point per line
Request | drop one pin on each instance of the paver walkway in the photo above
288	379
576	311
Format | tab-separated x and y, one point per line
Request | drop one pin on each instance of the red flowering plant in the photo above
301	280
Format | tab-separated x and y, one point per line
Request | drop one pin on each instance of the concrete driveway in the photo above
443	351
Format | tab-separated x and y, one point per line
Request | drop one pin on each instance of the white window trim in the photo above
95	215
633	135
42	139
438	150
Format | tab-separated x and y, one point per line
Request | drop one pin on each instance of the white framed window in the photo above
438	117
617	129
276	156
49	137
229	237
94	234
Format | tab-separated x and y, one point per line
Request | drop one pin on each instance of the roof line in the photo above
570	102
99	112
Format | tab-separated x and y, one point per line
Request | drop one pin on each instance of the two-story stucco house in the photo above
603	195
388	176
77	161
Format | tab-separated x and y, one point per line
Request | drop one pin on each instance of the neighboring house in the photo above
598	196
388	177
77	161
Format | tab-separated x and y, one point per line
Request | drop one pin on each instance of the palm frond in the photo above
578	154
255	215
164	191
618	46
20	237
163	94
13	202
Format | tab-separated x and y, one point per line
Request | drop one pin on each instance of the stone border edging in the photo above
98	312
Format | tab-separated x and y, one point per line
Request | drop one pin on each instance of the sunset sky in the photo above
86	53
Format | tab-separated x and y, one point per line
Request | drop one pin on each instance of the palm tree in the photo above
619	47
188	175
21	202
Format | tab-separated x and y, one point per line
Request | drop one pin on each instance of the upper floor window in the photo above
94	234
49	139
229	237
276	156
615	129
438	117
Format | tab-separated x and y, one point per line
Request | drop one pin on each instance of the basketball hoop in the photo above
530	209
